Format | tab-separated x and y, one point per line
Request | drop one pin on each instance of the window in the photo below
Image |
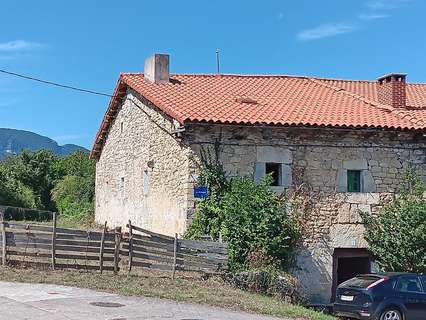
121	125
409	284
122	188
424	283
354	180
361	281
274	169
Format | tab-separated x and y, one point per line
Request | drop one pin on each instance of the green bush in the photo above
73	196
38	172
42	180
15	193
250	217
397	235
255	218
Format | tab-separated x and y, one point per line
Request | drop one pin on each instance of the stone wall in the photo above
143	171
319	160
146	173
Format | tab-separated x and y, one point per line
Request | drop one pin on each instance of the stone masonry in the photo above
319	159
143	171
146	172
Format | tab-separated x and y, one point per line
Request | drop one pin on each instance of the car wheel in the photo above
391	314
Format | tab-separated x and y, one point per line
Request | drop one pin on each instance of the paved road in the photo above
19	301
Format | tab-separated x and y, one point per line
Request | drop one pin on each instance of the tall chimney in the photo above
156	68
391	90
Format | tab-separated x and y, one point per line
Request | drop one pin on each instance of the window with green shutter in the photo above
354	180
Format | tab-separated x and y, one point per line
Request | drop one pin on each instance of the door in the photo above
409	290
347	263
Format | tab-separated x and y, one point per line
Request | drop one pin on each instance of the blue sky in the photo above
88	43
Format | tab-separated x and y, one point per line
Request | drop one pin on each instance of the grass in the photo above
186	288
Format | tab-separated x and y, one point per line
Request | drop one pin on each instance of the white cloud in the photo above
18	45
325	31
377	9
386	4
373	16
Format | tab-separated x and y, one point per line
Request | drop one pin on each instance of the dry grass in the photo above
186	288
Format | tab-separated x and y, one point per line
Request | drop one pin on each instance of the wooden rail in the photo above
152	250
59	248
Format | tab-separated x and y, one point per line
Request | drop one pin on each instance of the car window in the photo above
360	281
424	283
409	284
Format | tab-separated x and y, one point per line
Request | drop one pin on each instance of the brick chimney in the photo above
391	90
156	68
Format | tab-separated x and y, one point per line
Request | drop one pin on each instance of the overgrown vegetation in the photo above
41	180
397	235
255	222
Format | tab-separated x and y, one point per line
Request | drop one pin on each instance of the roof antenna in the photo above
218	61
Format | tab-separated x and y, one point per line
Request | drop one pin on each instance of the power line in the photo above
56	84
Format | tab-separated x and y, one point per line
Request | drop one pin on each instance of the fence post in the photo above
117	249
54	241
3	239
101	250
130	245
175	249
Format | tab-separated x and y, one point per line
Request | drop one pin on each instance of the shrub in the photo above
397	235
15	193
209	213
255	218
250	217
73	196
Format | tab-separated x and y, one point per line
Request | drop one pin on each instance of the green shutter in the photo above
354	181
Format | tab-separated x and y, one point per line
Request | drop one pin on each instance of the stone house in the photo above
348	141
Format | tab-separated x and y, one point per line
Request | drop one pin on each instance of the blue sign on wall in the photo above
201	192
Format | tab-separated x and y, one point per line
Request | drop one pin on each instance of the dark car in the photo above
387	296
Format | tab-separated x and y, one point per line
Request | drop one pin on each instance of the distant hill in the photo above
14	141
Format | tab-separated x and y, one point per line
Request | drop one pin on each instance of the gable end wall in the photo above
143	172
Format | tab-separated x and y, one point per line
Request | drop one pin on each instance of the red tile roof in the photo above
272	100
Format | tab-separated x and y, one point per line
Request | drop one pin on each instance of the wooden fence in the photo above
103	250
152	250
60	247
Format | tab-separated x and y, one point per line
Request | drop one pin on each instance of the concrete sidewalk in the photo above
20	301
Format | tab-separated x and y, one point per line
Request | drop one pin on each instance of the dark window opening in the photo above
354	181
348	263
274	169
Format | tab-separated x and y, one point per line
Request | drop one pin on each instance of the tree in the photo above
38	171
14	193
397	235
42	180
77	163
73	196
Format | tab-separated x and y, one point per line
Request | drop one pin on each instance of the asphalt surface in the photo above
20	301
